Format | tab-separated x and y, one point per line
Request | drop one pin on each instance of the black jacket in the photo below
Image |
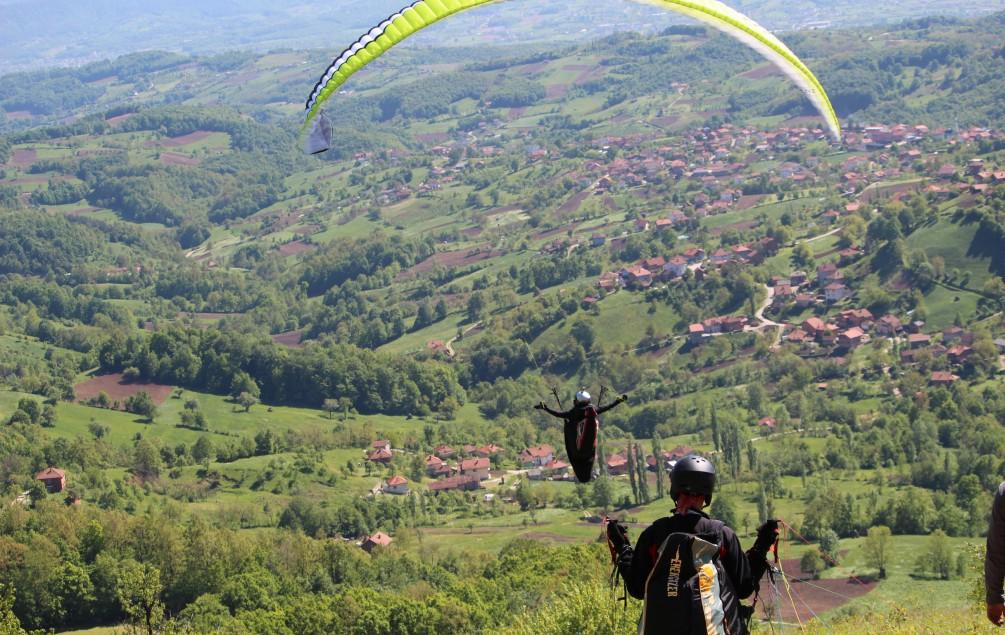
743	571
994	560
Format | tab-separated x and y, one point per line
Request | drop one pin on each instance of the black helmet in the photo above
693	475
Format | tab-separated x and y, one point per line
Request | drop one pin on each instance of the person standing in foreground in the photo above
994	560
688	568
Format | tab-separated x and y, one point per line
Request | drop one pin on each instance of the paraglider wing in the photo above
377	41
423	13
742	28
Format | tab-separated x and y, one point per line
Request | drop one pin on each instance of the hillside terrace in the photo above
664	269
704	151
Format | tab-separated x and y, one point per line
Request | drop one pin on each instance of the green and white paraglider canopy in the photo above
423	13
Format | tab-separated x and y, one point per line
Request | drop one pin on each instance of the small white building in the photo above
395	485
835	292
478	466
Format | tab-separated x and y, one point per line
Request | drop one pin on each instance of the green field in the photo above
226	420
944	305
953	242
623	320
769	209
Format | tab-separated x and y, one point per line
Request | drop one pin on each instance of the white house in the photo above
477	466
835	292
395	485
537	456
676	266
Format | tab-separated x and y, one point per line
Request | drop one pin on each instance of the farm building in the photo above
379	539
53	478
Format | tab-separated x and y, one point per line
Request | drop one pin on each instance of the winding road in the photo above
765	323
818	237
450	343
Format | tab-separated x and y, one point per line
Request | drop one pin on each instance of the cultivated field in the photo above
118	389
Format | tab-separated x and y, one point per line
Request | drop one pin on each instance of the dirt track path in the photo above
765	323
450	342
821	236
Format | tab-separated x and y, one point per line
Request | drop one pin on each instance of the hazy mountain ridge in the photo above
68	33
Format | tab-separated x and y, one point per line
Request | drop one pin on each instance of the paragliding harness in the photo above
319	138
581	441
581	431
685	585
694	568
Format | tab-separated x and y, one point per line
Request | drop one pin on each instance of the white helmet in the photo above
582	397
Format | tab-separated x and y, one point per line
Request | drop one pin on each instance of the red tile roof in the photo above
379	455
379	538
943	377
454	482
50	473
680	451
891	320
480	463
540	451
616	460
862	314
815	324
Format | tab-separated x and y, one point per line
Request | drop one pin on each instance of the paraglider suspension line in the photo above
554	391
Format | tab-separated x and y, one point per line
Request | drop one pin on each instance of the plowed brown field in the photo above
118	390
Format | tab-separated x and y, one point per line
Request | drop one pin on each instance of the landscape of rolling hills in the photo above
294	394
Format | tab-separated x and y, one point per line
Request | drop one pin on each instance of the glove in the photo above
617	538
623	398
539	406
767	534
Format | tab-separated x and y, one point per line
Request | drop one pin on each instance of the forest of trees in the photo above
208	360
46	92
106	567
34	243
223	511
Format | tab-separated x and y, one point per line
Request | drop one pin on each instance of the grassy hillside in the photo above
442	271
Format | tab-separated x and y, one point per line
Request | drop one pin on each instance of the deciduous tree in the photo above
247	400
877	548
138	588
142	404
